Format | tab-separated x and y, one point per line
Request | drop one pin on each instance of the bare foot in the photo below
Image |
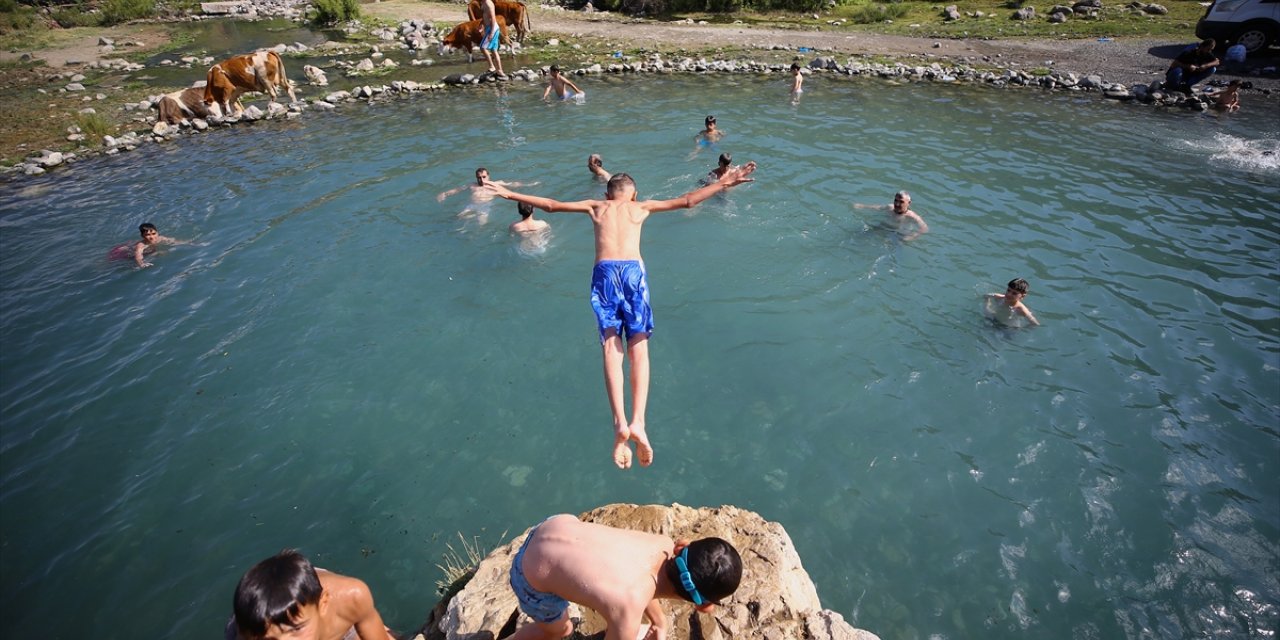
621	450
643	450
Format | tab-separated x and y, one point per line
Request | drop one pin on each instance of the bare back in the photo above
609	570
618	224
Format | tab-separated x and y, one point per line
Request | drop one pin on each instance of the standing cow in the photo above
516	14
469	34
259	71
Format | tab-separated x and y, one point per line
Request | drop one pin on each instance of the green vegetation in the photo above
76	15
120	11
94	126
458	568
328	12
15	17
876	12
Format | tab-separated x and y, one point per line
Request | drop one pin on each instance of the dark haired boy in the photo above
620	291
595	164
710	133
527	223
1012	297
150	238
284	597
559	84
621	574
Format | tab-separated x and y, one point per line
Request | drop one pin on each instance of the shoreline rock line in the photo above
853	68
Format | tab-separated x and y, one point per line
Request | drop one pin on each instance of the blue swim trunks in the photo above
542	607
490	40
620	298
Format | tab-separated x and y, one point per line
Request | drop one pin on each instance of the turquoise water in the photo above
342	364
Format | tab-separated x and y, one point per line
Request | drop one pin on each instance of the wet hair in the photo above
1019	285
147	226
795	66
555	68
479	169
714	565
525	209
903	195
595	160
618	182
1208	43
725	159
709	121
274	592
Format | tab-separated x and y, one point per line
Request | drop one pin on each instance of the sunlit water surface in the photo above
342	364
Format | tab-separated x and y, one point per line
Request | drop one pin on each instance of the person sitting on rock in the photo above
285	597
1193	65
621	574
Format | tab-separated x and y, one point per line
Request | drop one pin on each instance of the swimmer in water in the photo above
595	164
559	84
900	215
797	79
725	165
151	238
480	197
1012	299
1228	99
710	134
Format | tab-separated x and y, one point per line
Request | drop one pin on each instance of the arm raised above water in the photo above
731	178
546	204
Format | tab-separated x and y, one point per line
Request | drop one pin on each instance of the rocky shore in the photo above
418	35
775	600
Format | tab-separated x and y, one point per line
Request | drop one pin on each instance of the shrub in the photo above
94	125
334	11
118	11
77	15
874	13
14	17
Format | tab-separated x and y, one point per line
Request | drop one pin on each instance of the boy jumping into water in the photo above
1012	298
150	239
285	597
621	574
620	292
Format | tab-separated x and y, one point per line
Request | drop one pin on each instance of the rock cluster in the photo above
776	599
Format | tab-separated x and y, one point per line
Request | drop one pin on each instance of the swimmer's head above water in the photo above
725	159
482	174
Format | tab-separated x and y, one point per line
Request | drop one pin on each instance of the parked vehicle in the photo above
1252	23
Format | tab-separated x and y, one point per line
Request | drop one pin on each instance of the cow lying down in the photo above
187	104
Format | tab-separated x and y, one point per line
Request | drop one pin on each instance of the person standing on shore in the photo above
492	37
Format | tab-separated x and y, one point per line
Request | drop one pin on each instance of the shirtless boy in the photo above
285	597
723	166
1012	298
619	573
527	223
797	82
710	133
480	196
900	214
1228	99
492	37
595	164
147	245
558	84
620	292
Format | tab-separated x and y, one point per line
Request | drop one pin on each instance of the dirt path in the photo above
1116	60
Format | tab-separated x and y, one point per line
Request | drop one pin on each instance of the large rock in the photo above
775	601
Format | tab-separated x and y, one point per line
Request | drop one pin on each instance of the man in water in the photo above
480	197
900	214
1191	66
709	134
620	291
559	83
595	164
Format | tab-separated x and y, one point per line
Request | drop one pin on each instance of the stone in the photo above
315	76
951	12
49	158
1025	13
75	86
275	109
199	124
251	113
1057	18
365	65
104	41
160	129
1155	9
776	600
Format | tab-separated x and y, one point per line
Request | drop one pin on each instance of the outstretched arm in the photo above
877	207
921	227
546	204
1022	308
575	87
731	178
446	194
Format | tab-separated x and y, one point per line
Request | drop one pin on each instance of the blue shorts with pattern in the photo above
542	607
620	298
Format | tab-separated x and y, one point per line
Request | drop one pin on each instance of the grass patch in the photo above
16	17
876	13
458	566
329	12
121	11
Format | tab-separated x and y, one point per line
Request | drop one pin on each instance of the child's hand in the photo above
145	265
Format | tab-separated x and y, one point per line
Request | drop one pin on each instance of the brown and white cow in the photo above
515	13
186	104
259	71
469	34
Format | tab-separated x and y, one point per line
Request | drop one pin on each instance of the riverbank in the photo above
75	91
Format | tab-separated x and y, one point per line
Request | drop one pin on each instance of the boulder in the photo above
1155	10
315	76
775	600
1025	13
951	12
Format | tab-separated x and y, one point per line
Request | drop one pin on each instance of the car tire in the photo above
1256	35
